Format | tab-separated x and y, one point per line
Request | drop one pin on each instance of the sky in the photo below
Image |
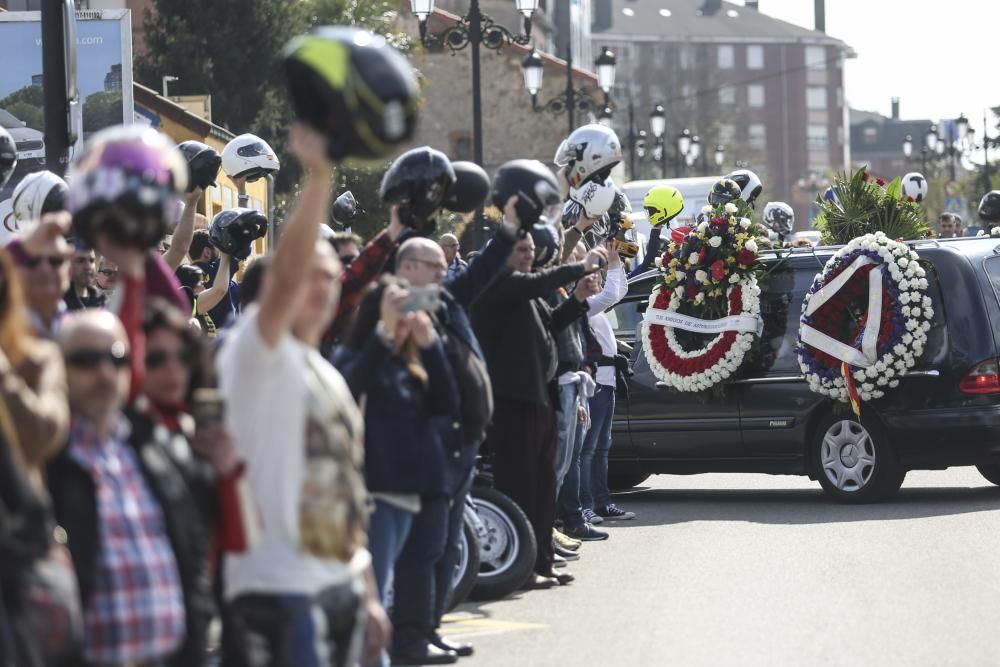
939	58
21	54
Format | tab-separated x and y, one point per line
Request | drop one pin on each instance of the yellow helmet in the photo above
663	203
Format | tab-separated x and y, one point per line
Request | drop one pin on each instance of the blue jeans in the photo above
594	491
445	568
387	533
568	394
415	588
569	493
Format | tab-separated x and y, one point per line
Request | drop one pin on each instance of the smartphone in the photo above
207	407
427	298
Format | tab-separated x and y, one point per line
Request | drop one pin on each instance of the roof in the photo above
150	98
889	134
440	20
691	20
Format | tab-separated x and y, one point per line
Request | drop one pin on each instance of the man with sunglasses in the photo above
135	533
107	276
43	267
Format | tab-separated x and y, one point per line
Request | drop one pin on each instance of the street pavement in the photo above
764	570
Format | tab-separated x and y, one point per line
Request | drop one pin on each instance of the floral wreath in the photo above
864	320
709	288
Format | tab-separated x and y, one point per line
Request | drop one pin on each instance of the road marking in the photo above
470	625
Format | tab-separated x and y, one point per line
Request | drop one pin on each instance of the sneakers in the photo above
564	542
565	553
614	513
592	518
588	533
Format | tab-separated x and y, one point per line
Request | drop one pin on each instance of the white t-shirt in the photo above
286	406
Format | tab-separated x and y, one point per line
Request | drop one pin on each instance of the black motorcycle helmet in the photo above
548	243
235	229
535	186
989	207
471	189
724	191
8	156
345	209
203	164
355	88
419	181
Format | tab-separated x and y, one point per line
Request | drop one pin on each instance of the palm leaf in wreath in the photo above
865	207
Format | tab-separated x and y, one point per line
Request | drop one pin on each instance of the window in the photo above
685	54
817	137
726	134
780	309
755	56
871	136
727	95
816	97
726	56
755	96
816	57
659	55
757	135
461	146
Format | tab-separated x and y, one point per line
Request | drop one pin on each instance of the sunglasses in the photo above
91	358
158	358
55	261
108	272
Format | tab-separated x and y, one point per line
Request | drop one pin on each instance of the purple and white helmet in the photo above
127	183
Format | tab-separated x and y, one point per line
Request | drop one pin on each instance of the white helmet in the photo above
749	182
915	185
590	152
595	198
38	193
248	156
779	217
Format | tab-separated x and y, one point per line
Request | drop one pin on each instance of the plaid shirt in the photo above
136	612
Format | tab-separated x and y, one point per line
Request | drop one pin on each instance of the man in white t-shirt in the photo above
303	592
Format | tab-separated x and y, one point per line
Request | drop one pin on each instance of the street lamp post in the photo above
720	156
684	141
658	125
571	100
475	30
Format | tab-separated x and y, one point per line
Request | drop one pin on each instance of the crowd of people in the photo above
212	454
285	445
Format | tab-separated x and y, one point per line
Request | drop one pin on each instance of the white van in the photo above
694	190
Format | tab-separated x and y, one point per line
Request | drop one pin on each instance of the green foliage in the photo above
26	104
866	206
102	110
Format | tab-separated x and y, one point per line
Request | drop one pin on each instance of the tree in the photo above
26	104
102	110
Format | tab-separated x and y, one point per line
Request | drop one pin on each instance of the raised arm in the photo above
211	297
470	283
180	243
290	269
524	286
615	287
652	252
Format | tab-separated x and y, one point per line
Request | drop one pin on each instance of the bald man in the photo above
423	579
449	244
136	536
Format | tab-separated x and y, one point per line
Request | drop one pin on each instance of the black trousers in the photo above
523	440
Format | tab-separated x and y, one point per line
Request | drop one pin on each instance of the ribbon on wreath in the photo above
868	354
740	323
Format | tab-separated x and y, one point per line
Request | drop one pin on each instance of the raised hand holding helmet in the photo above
750	184
38	193
418	181
589	153
534	185
724	191
203	164
779	217
595	198
915	186
663	203
345	209
249	157
355	88
470	190
234	230
989	207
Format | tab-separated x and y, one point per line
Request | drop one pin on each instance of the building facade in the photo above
771	93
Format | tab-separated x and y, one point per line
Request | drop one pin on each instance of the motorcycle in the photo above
507	545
